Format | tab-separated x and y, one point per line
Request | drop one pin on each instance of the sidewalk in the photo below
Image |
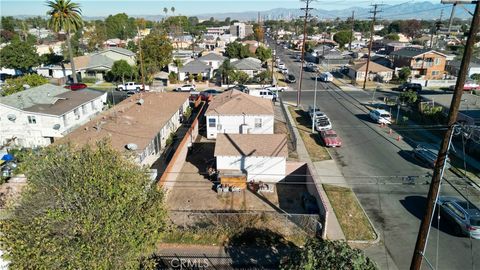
334	231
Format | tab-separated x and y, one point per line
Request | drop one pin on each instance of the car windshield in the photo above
330	135
385	115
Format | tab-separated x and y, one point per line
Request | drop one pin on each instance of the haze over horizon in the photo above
92	8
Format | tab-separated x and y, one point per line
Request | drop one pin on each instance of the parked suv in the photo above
410	86
290	78
429	155
380	116
464	215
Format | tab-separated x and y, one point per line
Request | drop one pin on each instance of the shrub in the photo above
89	80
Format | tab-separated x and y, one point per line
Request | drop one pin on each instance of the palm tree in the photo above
165	10
225	71
66	16
172	9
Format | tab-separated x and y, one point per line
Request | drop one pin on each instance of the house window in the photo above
32	119
258	122
77	113
437	61
435	72
92	104
212	122
84	109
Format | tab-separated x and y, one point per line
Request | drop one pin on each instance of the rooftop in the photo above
50	99
195	66
212	57
257	145
248	63
129	122
234	102
119	50
410	52
373	67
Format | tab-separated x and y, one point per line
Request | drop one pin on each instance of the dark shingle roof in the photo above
212	57
410	52
195	66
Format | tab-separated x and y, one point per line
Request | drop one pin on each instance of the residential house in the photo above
40	115
376	72
333	57
257	156
94	65
241	30
194	68
453	67
141	124
212	59
114	42
251	66
235	112
425	63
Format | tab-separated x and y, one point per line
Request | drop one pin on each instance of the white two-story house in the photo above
40	115
234	112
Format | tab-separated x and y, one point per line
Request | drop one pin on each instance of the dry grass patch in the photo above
312	141
350	215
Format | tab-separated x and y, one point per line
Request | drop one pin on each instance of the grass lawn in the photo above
352	219
105	86
312	141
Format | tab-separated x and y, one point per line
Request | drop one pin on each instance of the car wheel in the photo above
457	230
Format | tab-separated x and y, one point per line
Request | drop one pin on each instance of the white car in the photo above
276	88
322	124
281	65
132	86
186	88
284	71
380	116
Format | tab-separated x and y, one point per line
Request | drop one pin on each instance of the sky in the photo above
93	8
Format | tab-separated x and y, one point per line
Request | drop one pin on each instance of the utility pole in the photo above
305	18
433	191
141	59
351	34
454	6
437	27
374	18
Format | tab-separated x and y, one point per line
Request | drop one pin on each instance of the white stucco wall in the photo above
271	169
231	124
40	132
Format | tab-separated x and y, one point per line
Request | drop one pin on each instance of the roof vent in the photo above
140	101
12	117
131	146
56	126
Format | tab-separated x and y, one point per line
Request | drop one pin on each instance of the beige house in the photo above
376	72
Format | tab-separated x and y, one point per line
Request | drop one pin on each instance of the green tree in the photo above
237	50
132	46
409	97
96	36
263	53
225	71
120	69
241	77
264	77
326	254
19	55
392	36
404	73
475	77
88	208
156	52
8	23
65	15
165	10
258	32
120	26
15	85
342	37
199	77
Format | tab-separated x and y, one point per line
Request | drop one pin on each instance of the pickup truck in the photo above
276	88
132	86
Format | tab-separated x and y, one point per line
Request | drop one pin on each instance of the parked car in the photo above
410	86
464	215
276	88
325	77
330	138
290	78
193	96
309	203
208	93
186	88
318	113
281	65
132	86
380	116
468	86
284	70
263	93
76	86
131	93
239	87
322	124
429	155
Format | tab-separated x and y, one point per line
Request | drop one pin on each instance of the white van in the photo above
326	77
263	93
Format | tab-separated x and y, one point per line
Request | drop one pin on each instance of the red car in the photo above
76	86
330	138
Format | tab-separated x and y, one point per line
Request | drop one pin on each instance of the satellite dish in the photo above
140	101
131	146
12	117
56	126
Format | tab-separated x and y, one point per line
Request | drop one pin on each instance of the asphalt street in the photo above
376	168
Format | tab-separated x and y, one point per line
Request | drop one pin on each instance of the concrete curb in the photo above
377	235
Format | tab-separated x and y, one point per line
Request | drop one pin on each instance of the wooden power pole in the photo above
351	33
305	19
374	18
141	59
433	191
